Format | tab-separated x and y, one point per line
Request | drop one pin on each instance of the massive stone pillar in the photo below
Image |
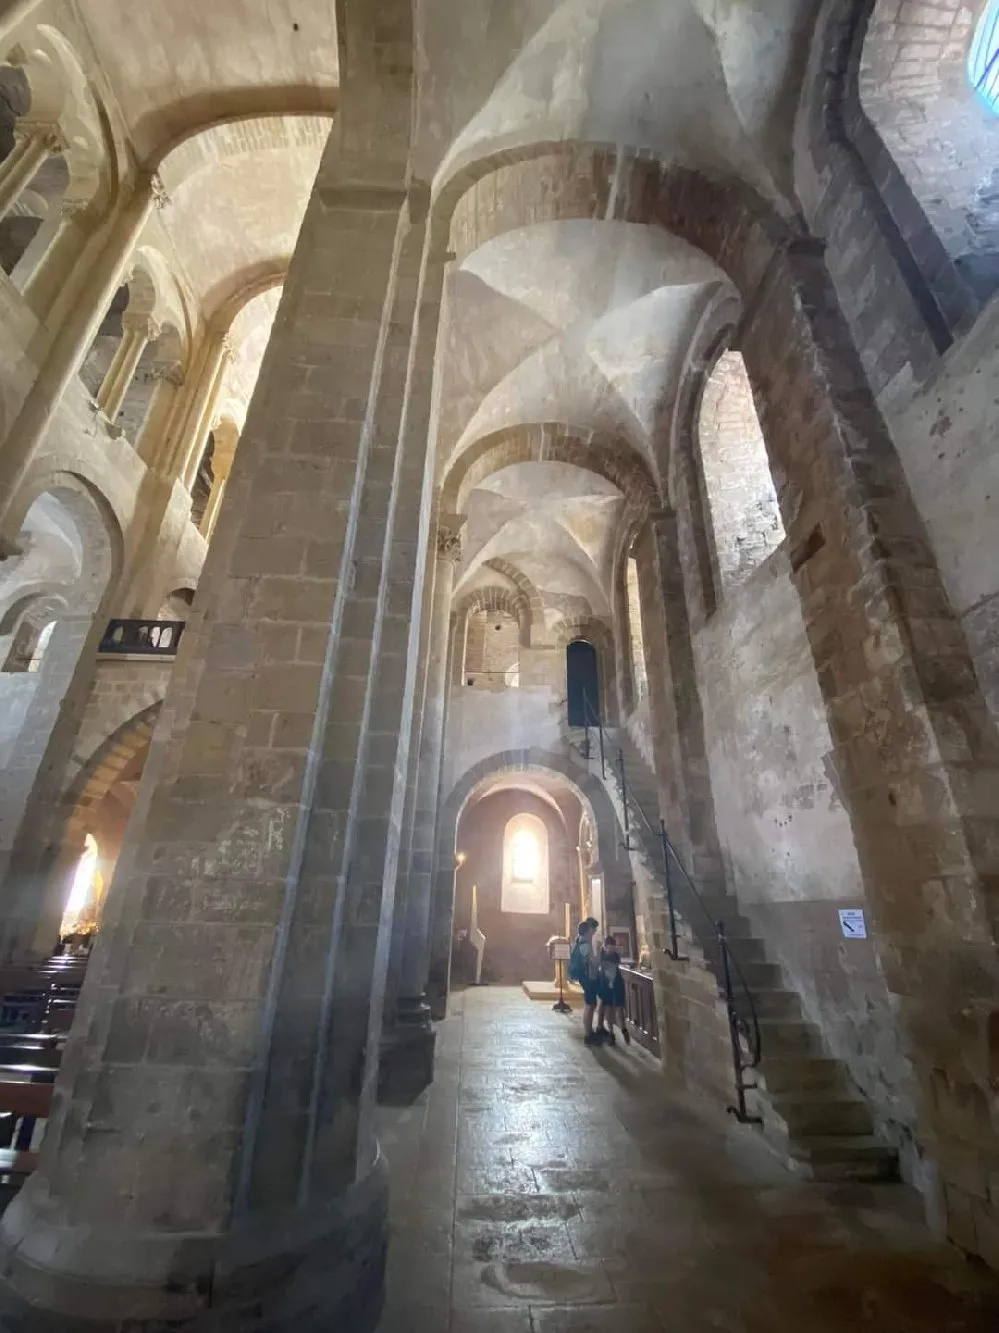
211	1164
915	754
408	1054
69	347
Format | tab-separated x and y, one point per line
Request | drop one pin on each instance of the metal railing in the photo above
743	1020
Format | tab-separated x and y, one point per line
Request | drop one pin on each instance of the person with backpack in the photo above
584	970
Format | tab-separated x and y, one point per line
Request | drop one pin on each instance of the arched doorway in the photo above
582	682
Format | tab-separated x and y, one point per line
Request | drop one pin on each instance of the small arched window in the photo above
983	57
637	644
525	866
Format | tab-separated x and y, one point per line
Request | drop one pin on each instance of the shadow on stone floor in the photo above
542	1187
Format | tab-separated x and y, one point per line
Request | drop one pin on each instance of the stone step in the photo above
771	1003
815	1115
788	1074
828	1157
786	1037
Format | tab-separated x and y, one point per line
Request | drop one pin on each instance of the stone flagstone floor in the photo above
543	1187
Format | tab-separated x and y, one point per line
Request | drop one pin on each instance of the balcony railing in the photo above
153	638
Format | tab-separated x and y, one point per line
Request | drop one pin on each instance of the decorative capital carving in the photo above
449	543
158	191
74	209
171	373
227	345
48	136
144	325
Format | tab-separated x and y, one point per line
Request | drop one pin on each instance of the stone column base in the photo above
406	1064
311	1270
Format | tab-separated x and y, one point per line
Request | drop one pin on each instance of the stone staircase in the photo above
812	1114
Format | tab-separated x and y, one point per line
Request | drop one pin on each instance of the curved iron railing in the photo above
743	1020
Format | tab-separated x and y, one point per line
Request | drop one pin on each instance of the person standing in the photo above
612	1000
584	969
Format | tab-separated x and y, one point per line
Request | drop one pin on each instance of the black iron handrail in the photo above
744	1023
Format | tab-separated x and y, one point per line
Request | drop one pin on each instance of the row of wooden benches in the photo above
36	1010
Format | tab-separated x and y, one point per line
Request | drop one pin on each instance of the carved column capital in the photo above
449	539
158	191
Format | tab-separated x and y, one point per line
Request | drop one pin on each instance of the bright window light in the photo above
83	880
525	856
983	58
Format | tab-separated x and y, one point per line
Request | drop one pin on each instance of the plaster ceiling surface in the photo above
182	64
583	322
554	522
705	83
239	217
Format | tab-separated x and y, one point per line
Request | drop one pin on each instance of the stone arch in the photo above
104	767
601	635
914	91
854	194
495	597
524	584
92	509
584	785
614	460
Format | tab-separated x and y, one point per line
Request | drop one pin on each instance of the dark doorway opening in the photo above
582	683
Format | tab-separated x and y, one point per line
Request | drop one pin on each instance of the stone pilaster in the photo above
682	767
408	1045
212	1157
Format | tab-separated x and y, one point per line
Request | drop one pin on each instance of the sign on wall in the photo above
852	923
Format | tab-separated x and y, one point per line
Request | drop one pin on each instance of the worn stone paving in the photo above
540	1186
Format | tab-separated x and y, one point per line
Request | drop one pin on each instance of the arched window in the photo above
745	517
28	647
80	916
525	866
638	672
983	57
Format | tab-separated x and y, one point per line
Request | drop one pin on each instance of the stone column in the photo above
68	348
683	773
33	145
212	1158
48	279
915	753
218	354
226	440
137	333
408	1042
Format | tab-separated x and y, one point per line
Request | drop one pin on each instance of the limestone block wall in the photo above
482	722
785	836
947	437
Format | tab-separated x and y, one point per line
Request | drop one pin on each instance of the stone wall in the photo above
785	837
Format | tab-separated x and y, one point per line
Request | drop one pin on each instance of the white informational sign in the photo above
852	923
561	950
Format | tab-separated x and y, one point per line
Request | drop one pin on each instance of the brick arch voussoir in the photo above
534	599
495	597
105	766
